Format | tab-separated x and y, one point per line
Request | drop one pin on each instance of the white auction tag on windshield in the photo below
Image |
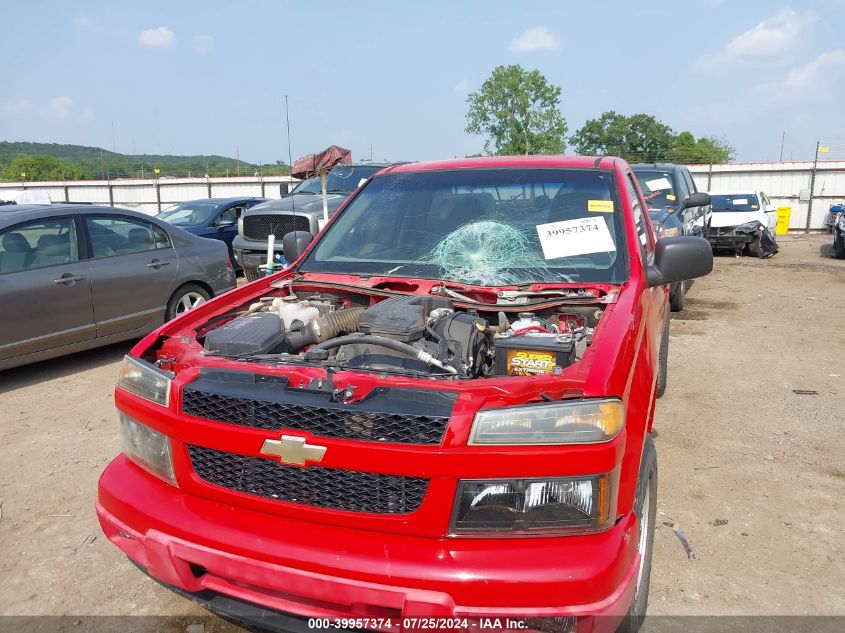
737	201
658	184
575	237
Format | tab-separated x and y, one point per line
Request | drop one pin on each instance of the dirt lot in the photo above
735	442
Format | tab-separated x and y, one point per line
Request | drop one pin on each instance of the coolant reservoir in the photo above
291	309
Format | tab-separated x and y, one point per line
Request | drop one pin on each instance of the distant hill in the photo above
48	161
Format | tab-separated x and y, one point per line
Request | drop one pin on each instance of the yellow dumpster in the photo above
783	220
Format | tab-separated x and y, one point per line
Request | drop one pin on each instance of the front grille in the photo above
253	274
258	227
329	488
263	402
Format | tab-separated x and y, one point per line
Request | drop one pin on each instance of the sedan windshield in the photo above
480	226
190	213
341	179
735	202
657	188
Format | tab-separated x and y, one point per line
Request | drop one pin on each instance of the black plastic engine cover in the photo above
247	335
400	318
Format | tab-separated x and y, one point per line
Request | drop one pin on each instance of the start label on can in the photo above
523	362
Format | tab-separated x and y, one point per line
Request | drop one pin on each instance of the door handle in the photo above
157	264
67	279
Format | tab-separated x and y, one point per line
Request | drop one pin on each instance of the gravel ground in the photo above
735	442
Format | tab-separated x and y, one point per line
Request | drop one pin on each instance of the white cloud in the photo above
805	82
202	43
61	107
462	85
17	106
536	39
771	39
160	37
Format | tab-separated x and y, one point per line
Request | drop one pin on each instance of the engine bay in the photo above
406	334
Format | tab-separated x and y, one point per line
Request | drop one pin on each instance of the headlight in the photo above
145	380
147	447
241	225
576	422
532	505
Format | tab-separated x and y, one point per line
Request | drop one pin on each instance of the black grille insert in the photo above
258	227
399	416
330	488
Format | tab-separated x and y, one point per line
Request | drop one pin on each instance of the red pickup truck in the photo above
438	417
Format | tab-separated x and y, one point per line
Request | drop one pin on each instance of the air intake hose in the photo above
326	327
388	343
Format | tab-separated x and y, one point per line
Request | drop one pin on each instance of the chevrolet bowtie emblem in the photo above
293	450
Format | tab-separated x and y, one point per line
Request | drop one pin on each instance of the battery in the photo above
533	354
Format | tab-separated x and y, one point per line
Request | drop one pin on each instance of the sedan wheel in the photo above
186	298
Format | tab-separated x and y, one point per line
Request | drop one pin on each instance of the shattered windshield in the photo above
341	179
735	202
657	188
480	226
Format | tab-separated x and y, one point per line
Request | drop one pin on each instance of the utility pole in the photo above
238	155
113	139
709	175
782	138
812	184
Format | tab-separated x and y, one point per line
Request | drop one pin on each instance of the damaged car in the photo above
441	412
838	224
743	223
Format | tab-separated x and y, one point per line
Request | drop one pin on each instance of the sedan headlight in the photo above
145	380
575	422
147	447
572	504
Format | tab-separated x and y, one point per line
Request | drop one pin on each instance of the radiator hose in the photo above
326	327
389	343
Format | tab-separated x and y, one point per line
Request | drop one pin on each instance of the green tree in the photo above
40	168
636	138
517	110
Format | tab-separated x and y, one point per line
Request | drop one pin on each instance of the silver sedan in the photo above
73	277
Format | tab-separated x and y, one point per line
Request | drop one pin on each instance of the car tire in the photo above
645	507
839	245
676	298
185	298
663	361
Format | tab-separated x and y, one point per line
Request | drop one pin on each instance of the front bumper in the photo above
727	240
252	253
304	569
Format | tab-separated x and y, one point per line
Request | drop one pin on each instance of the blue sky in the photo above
210	77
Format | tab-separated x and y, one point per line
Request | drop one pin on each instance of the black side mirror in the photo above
294	244
678	259
697	199
284	189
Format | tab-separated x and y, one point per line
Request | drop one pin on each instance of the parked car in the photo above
743	222
676	208
75	277
299	210
839	233
443	407
215	218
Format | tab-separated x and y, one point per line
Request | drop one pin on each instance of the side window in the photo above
690	181
230	215
683	186
644	235
115	235
38	244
